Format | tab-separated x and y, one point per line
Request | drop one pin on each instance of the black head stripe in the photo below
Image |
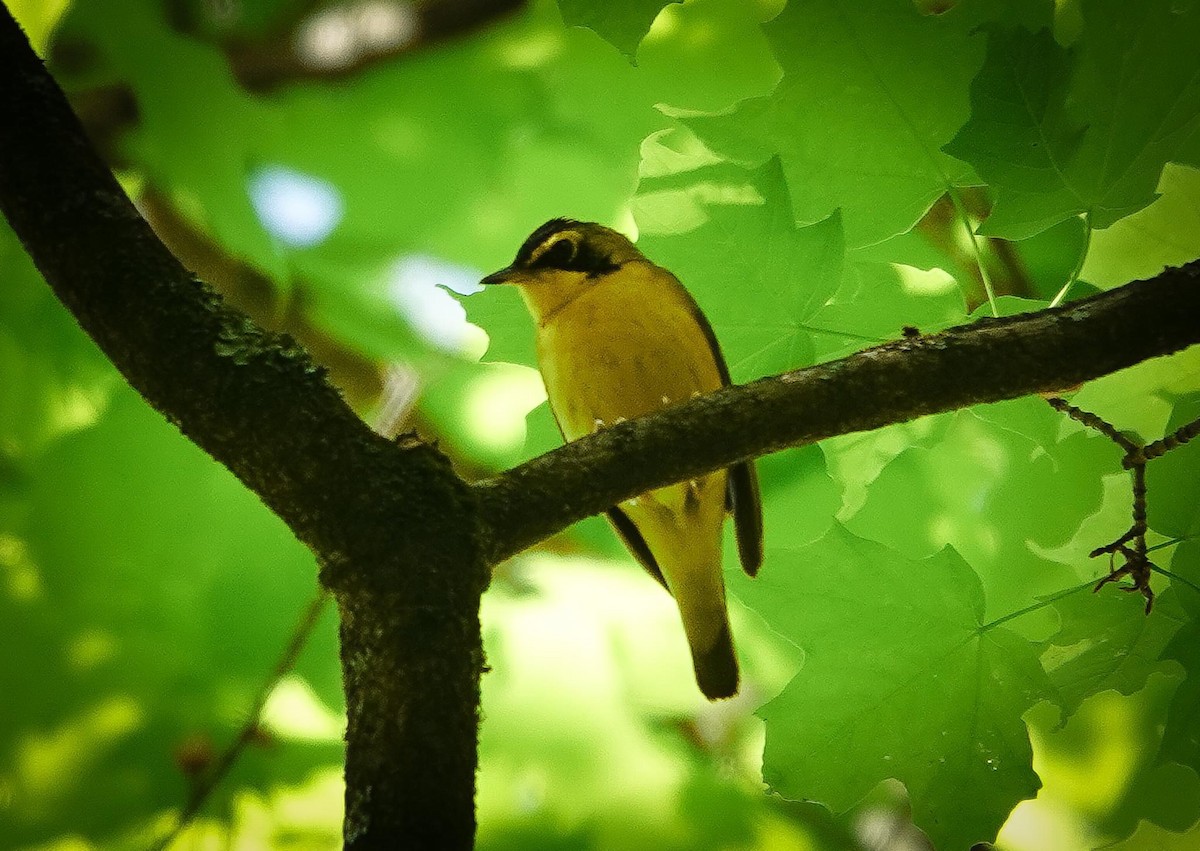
572	256
539	236
588	259
558	256
574	253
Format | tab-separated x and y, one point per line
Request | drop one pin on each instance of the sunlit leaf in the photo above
1061	131
997	480
622	23
1166	233
903	678
850	135
1106	641
757	277
1173	508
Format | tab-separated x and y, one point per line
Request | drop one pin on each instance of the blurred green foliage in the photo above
923	614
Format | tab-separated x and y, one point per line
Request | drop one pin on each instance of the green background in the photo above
921	643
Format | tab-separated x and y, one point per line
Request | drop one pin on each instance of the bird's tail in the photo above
716	665
706	623
681	527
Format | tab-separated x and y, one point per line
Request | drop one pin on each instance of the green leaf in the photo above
996	481
153	620
876	301
481	409
591	681
872	90
1173	500
1037	267
902	678
510	330
1059	132
800	502
1106	641
1019	135
560	153
1151	837
159	63
53	379
622	23
728	234
38	19
1052	258
1166	233
1181	739
1142	398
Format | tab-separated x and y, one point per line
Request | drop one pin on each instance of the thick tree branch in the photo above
988	361
252	399
393	527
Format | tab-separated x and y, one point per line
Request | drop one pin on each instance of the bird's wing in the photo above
626	531
636	543
743	498
745	503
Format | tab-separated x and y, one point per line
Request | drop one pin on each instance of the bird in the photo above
619	337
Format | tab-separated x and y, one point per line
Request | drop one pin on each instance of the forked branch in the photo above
1131	546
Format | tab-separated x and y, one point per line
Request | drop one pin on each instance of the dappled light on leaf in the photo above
917	687
922	653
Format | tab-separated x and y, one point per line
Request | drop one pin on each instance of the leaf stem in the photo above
952	191
1171	543
1040	604
1087	244
1175	577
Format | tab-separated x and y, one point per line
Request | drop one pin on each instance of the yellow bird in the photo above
619	337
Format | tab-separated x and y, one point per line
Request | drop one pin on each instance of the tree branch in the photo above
988	361
393	527
253	399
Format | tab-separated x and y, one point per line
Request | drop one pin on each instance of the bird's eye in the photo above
557	256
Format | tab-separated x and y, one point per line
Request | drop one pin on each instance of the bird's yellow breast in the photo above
625	346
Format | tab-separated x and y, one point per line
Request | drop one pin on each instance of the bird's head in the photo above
561	259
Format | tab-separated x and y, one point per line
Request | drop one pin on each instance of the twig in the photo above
1176	438
1094	422
1136	565
206	784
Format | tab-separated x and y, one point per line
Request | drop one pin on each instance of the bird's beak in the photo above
507	275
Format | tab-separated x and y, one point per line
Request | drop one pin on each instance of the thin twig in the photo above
1172	542
1094	422
208	783
1176	438
1137	565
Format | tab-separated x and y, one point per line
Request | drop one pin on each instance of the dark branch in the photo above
253	399
394	528
988	361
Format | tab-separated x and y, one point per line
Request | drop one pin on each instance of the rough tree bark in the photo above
405	545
